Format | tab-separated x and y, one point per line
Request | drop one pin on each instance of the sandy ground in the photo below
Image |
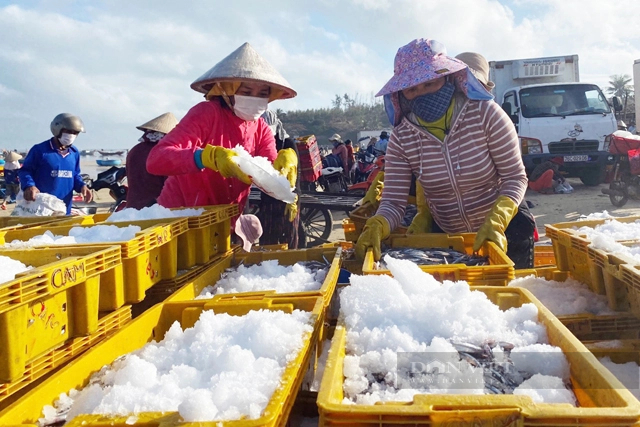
548	208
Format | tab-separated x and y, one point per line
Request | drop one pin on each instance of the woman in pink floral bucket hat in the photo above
462	149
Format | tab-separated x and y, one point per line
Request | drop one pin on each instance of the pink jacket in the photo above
206	123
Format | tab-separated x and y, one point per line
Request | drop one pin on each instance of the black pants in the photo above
519	234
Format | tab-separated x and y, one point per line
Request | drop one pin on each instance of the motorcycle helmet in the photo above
621	125
66	121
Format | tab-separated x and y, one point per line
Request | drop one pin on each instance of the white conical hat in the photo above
244	64
12	156
163	123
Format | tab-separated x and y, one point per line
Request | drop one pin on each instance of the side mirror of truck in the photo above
617	103
507	107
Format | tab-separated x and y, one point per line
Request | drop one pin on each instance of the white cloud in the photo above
119	63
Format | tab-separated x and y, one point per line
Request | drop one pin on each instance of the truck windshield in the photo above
562	100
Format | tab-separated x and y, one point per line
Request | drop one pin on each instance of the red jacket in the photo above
206	123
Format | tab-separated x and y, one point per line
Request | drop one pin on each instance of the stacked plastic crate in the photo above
310	159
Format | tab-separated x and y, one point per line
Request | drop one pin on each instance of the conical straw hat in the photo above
12	156
244	64
164	123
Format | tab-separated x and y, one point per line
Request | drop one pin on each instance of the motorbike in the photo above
365	163
625	181
113	179
360	188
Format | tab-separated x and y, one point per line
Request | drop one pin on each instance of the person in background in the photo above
11	180
632	128
53	166
380	147
340	151
280	221
143	187
479	67
460	146
351	158
197	155
546	178
372	145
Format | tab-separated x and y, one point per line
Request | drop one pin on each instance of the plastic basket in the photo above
603	400
208	234
349	228
153	325
543	256
190	287
56	300
151	256
48	362
499	272
628	351
18	222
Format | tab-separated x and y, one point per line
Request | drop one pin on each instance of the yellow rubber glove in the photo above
422	221
287	164
291	210
496	222
219	159
374	193
375	230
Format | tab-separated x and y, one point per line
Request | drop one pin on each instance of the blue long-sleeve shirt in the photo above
52	172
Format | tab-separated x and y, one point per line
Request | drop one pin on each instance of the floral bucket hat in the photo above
420	61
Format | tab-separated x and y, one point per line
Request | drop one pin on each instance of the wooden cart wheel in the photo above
317	224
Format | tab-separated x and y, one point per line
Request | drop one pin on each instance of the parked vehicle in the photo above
113	179
625	183
365	163
555	114
360	188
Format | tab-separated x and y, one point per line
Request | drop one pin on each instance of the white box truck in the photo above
636	90
556	115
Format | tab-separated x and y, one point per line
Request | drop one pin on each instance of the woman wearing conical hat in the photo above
196	155
144	188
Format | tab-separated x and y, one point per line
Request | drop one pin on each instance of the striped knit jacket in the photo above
463	175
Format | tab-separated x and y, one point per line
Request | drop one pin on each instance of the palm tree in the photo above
619	86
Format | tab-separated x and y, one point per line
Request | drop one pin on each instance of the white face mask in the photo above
66	139
249	107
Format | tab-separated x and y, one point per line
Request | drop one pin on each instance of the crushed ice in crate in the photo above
223	368
95	234
565	298
391	319
9	267
269	275
151	212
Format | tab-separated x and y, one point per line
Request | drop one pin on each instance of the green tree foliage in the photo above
346	116
620	85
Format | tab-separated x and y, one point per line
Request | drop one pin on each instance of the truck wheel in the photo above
593	177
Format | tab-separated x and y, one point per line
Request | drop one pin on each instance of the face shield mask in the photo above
66	139
249	108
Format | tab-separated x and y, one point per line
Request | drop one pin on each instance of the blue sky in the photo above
119	63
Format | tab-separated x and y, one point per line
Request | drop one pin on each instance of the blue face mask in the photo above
431	106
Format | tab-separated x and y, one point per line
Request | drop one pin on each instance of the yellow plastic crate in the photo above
210	276
629	351
151	256
543	256
152	325
45	306
18	222
499	272
208	234
603	400
48	362
349	228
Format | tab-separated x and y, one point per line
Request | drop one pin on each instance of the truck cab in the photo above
569	120
556	115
